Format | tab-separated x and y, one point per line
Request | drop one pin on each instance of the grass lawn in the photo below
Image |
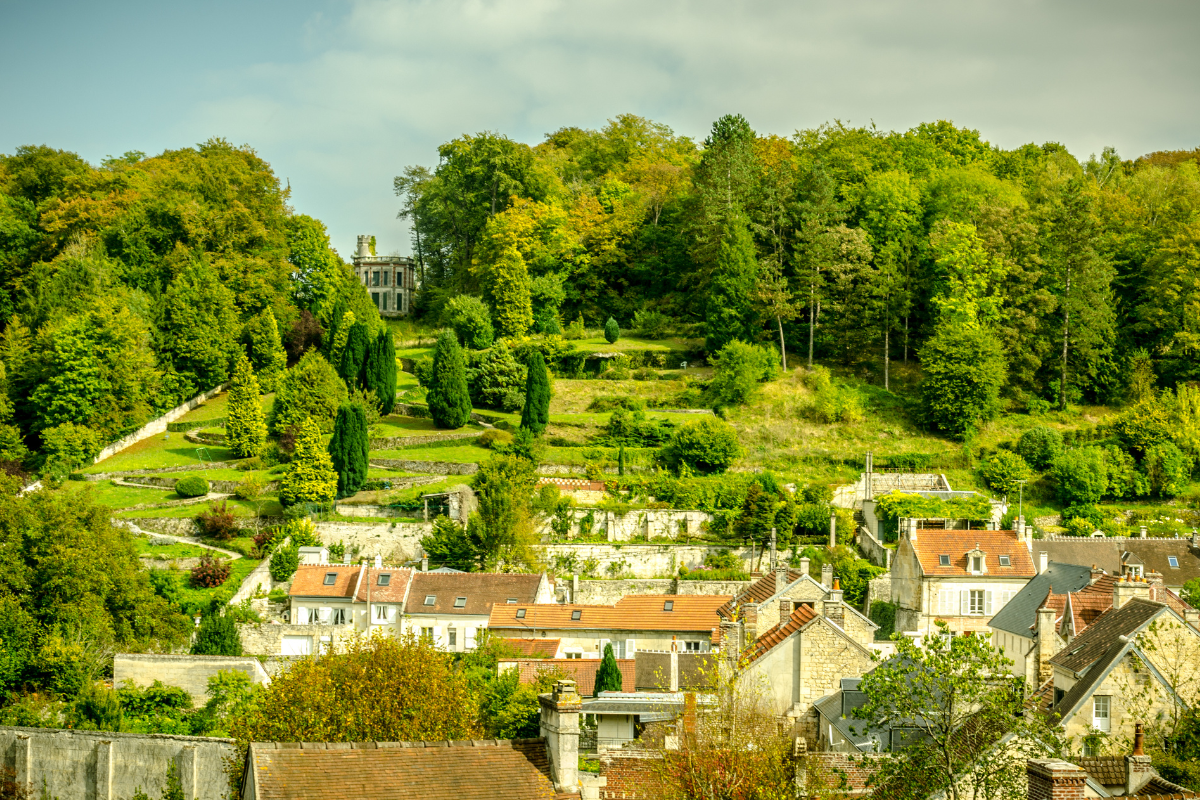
268	507
192	600
162	450
414	493
598	344
107	494
573	396
454	453
217	408
395	425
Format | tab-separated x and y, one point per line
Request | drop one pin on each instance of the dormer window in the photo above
460	602
976	561
384	580
1133	570
430	599
511	601
330	578
575	615
943	561
1173	561
1005	561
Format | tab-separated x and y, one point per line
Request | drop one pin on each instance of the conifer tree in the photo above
536	413
265	348
354	356
245	423
612	331
379	374
310	477
339	338
349	447
728	315
608	675
448	399
510	295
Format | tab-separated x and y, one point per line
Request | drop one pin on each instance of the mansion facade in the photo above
391	281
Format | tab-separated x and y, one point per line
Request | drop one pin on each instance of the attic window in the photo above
384	580
430	599
943	561
1005	561
576	614
977	564
330	578
511	600
460	602
669	605
520	613
1173	561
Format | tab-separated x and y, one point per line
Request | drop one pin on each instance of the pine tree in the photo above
536	413
349	447
331	329
354	356
608	675
339	337
245	423
728	315
612	331
310	477
510	294
621	461
448	399
265	348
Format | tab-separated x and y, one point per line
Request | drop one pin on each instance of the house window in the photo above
575	615
1100	715
669	605
1173	561
976	602
1134	570
384	580
375	278
691	647
427	634
339	616
520	613
1005	561
511	600
976	564
460	602
573	655
386	275
330	578
451	637
381	613
943	561
430	599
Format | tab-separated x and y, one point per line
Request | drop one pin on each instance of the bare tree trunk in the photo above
782	347
886	357
1062	383
812	320
906	338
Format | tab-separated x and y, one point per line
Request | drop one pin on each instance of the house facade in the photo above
960	577
390	281
450	608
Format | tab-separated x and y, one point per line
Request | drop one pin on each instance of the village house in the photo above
450	608
391	281
960	577
1130	775
1057	606
681	623
1177	560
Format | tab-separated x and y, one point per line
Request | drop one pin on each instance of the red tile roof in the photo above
466	770
309	580
757	592
581	670
481	591
395	590
532	648
763	644
635	612
930	545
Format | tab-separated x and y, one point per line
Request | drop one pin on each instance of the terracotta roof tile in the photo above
532	648
930	545
757	592
309	580
481	591
464	770
1107	770
581	670
635	612
763	644
1162	789
393	590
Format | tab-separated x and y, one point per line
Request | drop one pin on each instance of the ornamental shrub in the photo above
496	379
245	426
1040	446
284	563
310	390
191	486
218	522
210	572
471	321
705	446
611	331
536	413
494	437
354	356
310	478
512	303
265	349
348	449
380	371
448	399
217	636
738	368
608	674
1003	469
964	369
1080	475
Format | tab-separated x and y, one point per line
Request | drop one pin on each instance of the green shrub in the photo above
494	436
423	371
348	449
832	402
703	446
191	486
611	331
576	330
964	368
535	415
217	636
449	400
471	320
883	614
1092	516
249	488
1003	470
1040	446
311	389
1079	526
1080	476
645	374
651	324
284	563
738	369
1168	469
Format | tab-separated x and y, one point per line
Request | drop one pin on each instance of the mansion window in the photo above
386	276
375	278
976	603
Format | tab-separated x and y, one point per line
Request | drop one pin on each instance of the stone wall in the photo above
431	467
266	638
397	442
872	548
156	426
185	671
223	487
878	590
638	524
602	592
639	560
628	774
90	765
397	542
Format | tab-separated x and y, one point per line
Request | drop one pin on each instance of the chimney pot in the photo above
424	563
804	562
1043	561
1138	737
1142	532
827	575
378	562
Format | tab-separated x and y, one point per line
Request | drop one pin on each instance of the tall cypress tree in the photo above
379	374
349	447
245	426
728	316
536	413
354	357
448	399
608	675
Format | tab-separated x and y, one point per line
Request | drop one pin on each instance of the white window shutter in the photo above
437	636
325	613
469	641
964	602
391	614
987	602
629	648
301	615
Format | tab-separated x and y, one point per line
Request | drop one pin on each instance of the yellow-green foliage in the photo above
510	294
245	425
310	477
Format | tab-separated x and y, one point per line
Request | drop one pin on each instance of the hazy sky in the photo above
339	95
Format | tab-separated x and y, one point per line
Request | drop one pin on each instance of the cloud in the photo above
381	85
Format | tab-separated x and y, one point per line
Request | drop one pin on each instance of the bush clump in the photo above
191	486
651	324
739	368
493	437
218	522
210	572
1040	446
284	563
217	636
704	446
471	320
612	331
1003	471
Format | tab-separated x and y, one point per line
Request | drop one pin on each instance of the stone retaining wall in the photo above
432	467
873	549
156	426
639	560
397	442
103	764
126	473
638	524
222	487
601	592
397	542
185	671
266	638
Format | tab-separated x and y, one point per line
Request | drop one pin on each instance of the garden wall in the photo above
98	764
873	549
397	542
636	560
185	671
157	426
638	524
607	592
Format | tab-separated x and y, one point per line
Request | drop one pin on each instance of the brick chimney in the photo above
1043	562
750	621
1126	589
827	575
804	562
559	726
1138	770
1047	643
1054	779
731	641
785	610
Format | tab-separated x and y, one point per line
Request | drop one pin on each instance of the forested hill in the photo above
872	240
128	287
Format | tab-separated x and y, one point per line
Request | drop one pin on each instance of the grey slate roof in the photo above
1095	642
1084	687
1106	553
1019	615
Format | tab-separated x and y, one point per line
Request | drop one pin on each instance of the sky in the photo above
340	95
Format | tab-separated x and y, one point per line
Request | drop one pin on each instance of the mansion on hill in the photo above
391	281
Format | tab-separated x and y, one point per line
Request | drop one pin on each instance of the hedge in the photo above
191	486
